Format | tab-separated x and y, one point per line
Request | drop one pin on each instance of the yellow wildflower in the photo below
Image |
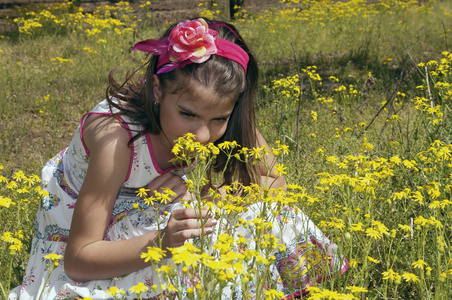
142	192
139	288
410	277
419	264
390	275
113	291
154	254
273	294
356	289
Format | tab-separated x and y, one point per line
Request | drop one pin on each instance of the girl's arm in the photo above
272	180
88	256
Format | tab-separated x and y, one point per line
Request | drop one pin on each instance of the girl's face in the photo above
200	112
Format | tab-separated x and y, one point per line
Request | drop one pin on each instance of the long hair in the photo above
224	76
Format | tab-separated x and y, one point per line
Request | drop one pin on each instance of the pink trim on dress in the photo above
126	126
82	121
154	159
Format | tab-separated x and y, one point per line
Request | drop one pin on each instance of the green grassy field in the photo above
358	92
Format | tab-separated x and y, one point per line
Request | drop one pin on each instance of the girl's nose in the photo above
202	134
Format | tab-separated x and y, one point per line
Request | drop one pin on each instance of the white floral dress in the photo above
63	176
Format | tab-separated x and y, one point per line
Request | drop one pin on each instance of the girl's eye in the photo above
221	120
185	114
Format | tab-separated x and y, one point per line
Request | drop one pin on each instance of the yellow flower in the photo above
410	277
332	159
314	115
375	234
53	257
256	152
273	294
260	259
356	289
390	274
113	291
166	269
285	149
16	246
171	288
185	256
405	228
280	170
6	202
19	234
419	264
19	176
154	254
12	185
142	192
357	227
375	261
396	160
139	288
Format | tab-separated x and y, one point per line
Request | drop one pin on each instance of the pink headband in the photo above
191	41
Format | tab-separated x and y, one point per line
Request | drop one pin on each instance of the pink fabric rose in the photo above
192	40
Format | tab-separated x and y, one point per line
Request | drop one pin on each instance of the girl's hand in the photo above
171	181
185	224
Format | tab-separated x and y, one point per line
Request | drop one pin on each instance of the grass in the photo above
53	74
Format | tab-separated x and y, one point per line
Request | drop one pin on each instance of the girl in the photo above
201	79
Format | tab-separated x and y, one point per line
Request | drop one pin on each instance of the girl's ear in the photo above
156	89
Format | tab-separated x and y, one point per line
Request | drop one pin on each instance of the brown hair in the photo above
224	76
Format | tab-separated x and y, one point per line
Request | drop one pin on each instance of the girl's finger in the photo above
191	233
188	224
189	213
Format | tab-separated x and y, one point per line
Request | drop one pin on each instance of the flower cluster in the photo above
66	16
19	196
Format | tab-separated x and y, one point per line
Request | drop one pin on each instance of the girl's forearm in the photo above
108	259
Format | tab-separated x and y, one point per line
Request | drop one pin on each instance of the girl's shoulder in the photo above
103	121
100	129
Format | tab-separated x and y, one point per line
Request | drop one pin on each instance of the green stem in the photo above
421	283
45	283
3	291
364	269
8	283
